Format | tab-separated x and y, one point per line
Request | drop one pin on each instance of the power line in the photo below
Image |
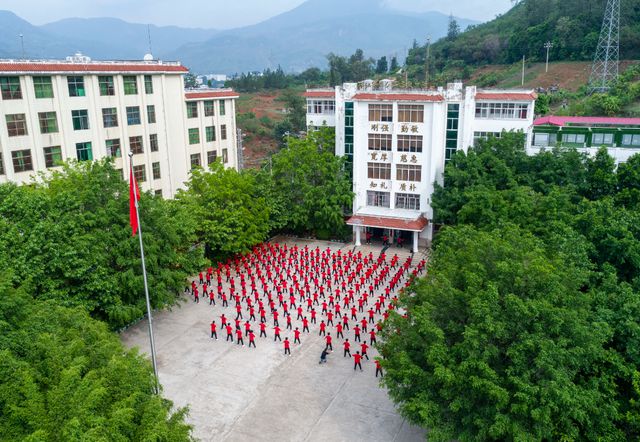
604	70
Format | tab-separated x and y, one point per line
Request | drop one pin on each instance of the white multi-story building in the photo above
78	109
397	142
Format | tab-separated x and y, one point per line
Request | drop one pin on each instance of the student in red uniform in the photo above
372	336
252	338
296	336
329	318
347	348
263	329
277	333
328	341
288	321
287	350
247	328
378	368
213	330
363	350
356	330
305	324
239	339
356	361
229	333
196	297
323	327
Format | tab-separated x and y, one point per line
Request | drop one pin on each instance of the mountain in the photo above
302	37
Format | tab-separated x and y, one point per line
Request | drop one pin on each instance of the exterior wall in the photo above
171	125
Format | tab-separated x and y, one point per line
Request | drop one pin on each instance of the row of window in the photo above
405	143
383	199
212	155
17	124
10	88
321	107
209	108
209	132
404	172
502	111
597	139
477	136
407	113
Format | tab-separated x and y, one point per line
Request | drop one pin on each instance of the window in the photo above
409	143
105	82
155	170
42	87
380	142
16	125
110	117
158	192
225	156
379	171
153	142
477	136
195	160
212	155
76	86
192	109
83	151
113	148
451	140
140	173
503	111
21	160
52	156
210	133
381	112
541	139
602	139
631	140
408	172
48	122
209	108
378	199
135	145
151	114
320	107
407	201
1	164
223	131
410	113
222	108
133	115
130	84
573	138
10	88
80	119
194	135
148	84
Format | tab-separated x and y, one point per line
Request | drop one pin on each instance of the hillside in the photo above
573	26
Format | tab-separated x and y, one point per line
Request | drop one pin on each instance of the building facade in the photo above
397	142
621	136
78	109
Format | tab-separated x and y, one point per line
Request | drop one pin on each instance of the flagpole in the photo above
146	286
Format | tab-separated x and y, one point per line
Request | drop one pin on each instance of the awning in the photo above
413	225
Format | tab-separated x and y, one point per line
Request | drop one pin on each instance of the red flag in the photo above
134	195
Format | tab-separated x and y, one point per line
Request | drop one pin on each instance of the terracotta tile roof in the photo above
562	121
414	225
27	67
319	94
508	96
198	95
397	97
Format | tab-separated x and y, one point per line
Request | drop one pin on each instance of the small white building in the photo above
397	142
58	110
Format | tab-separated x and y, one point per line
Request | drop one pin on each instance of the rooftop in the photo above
198	94
553	120
85	64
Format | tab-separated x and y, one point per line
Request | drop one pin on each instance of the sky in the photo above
219	14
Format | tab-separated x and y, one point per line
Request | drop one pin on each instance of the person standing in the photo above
357	358
277	333
252	339
323	327
263	329
239	339
339	331
213	330
288	321
305	324
296	336
356	330
328	340
229	333
363	350
346	346
378	368
287	350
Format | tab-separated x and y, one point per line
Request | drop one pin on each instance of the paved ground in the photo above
244	394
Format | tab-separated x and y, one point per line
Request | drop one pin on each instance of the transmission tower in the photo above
605	63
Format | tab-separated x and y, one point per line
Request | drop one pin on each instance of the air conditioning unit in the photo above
386	84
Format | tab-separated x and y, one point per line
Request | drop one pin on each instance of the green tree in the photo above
394	65
453	29
382	66
190	80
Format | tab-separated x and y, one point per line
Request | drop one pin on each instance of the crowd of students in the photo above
297	290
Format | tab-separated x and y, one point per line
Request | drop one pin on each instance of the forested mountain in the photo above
573	26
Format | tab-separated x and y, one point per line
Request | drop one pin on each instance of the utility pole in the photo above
426	63
605	62
548	45
240	153
22	45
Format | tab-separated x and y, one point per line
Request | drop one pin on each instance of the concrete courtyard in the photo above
237	393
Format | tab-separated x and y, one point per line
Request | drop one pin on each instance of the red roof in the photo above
194	95
89	67
563	121
319	94
508	96
414	225
397	97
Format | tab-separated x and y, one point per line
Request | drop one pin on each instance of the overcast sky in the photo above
220	14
